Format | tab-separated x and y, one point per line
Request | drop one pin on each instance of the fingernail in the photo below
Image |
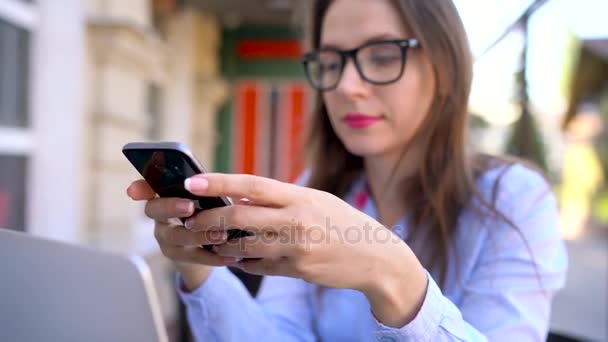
217	236
230	260
196	184
189	224
244	201
184	207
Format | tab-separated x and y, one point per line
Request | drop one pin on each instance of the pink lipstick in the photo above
360	120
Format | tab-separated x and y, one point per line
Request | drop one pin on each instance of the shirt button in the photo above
387	339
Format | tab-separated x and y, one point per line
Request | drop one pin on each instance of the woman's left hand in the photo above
304	233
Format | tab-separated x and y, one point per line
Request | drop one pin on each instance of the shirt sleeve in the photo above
507	296
222	309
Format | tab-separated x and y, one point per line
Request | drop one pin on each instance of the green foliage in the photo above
477	121
526	141
600	209
572	53
601	141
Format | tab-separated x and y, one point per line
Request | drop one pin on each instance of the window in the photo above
12	192
14	71
18	20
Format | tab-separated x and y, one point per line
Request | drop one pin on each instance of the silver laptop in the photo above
52	291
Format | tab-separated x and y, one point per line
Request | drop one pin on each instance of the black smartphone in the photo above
165	166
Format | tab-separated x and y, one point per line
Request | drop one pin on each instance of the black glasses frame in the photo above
404	45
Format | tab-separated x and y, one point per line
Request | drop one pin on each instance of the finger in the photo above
162	209
265	266
247	201
244	201
255	246
196	255
264	191
245	217
140	191
180	236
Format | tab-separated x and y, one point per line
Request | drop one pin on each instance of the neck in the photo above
385	171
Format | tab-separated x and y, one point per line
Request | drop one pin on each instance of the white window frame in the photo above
16	141
19	13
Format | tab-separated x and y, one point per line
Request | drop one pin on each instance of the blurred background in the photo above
79	78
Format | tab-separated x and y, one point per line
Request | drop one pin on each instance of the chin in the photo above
364	147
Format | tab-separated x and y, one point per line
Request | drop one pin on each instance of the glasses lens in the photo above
381	62
324	68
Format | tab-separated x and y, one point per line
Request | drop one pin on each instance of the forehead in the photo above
349	23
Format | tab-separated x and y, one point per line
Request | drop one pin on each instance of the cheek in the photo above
330	101
409	101
332	104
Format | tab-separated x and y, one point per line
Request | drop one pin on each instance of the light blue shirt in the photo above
496	293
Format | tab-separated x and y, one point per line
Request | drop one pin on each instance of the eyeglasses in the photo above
380	63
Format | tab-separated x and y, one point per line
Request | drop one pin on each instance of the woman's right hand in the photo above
176	242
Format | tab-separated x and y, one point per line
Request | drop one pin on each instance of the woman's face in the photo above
375	120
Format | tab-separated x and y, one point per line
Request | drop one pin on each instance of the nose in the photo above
351	84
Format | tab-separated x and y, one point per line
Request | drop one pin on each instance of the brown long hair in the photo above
445	181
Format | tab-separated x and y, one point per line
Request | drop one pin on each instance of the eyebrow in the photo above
374	38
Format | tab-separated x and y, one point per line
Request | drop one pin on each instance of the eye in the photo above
385	59
330	67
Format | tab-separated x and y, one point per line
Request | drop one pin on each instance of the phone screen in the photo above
166	170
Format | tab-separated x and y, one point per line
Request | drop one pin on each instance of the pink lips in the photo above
360	120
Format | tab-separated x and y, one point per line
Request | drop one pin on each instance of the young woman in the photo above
402	233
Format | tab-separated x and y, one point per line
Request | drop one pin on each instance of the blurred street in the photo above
581	308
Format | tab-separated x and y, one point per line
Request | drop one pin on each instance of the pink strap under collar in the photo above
361	197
